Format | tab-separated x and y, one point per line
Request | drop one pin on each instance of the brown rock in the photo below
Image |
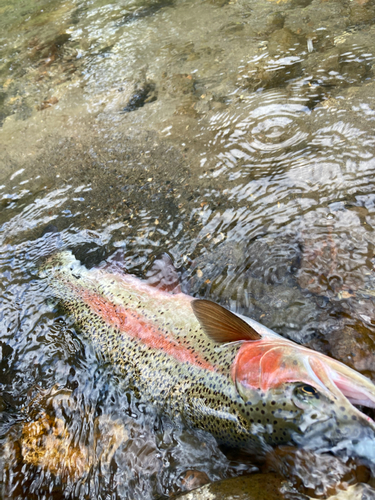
178	84
361	14
352	343
282	41
315	475
253	487
46	443
194	479
48	103
272	74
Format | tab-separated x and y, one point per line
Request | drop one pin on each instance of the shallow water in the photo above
237	137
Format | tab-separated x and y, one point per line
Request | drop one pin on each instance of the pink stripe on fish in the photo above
136	326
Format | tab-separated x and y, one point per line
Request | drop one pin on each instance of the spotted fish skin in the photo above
156	341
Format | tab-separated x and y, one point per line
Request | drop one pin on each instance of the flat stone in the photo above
253	487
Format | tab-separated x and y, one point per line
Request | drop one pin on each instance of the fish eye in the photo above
308	389
305	396
305	390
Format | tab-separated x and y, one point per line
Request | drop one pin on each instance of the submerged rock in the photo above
335	258
275	21
271	486
254	487
143	94
178	84
313	474
337	267
48	444
194	479
360	13
284	40
272	73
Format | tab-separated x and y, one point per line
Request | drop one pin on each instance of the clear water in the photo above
236	136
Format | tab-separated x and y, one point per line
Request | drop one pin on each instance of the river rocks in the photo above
178	84
144	93
325	69
271	487
182	88
193	479
315	475
351	341
271	73
303	476
275	21
47	443
360	13
137	12
300	3
282	64
48	103
284	40
342	66
337	265
254	487
335	257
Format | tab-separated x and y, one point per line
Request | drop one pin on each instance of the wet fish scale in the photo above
254	391
147	334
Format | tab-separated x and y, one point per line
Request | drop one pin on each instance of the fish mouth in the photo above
357	394
355	434
341	380
348	430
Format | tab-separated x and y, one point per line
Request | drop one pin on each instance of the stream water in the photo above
236	136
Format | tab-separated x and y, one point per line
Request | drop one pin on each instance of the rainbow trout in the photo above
220	372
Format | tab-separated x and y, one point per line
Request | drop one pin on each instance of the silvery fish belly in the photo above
220	372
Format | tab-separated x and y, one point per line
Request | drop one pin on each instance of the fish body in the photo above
226	374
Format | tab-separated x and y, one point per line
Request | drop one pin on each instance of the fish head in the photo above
311	398
292	394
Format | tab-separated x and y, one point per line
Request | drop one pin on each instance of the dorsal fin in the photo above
221	325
